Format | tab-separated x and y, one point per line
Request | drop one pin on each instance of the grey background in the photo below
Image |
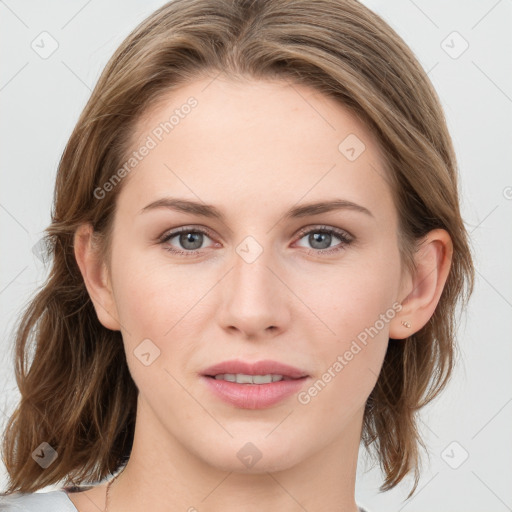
41	99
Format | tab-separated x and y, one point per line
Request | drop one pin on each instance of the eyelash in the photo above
345	238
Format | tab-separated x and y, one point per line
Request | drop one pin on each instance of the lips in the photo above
257	368
245	395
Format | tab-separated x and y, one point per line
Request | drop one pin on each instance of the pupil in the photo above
190	238
319	237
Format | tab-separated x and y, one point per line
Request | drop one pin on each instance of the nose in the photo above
255	301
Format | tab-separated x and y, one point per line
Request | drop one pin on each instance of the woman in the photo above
257	255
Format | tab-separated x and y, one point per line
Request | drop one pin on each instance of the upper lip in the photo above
256	368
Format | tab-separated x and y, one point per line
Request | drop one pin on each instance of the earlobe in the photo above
96	279
424	289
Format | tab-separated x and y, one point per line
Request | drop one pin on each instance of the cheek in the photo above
155	303
357	303
151	293
339	302
352	296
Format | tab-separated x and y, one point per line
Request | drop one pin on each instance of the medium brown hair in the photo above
77	393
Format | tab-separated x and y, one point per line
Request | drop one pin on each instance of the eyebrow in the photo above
207	210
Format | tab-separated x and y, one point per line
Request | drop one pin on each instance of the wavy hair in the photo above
77	393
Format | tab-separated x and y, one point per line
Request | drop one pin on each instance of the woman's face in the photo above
263	280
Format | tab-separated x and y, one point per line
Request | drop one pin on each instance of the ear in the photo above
423	290
96	277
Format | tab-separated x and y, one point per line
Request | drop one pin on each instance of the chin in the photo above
253	457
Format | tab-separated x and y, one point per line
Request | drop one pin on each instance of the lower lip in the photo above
253	396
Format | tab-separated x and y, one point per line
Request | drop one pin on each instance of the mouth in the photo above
253	385
243	378
260	372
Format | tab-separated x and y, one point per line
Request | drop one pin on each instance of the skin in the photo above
253	149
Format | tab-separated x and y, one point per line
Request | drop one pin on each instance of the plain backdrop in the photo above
464	45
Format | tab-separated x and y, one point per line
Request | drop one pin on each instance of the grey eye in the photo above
191	240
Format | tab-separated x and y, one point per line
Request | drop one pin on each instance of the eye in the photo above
189	239
321	238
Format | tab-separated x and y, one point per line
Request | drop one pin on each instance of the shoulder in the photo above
53	501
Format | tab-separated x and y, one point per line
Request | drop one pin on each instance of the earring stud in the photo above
406	324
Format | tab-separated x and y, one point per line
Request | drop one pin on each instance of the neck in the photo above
162	472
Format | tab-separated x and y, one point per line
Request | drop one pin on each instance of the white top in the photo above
51	501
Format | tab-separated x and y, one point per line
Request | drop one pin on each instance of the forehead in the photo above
221	140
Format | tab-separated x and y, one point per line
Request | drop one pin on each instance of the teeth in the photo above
242	378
